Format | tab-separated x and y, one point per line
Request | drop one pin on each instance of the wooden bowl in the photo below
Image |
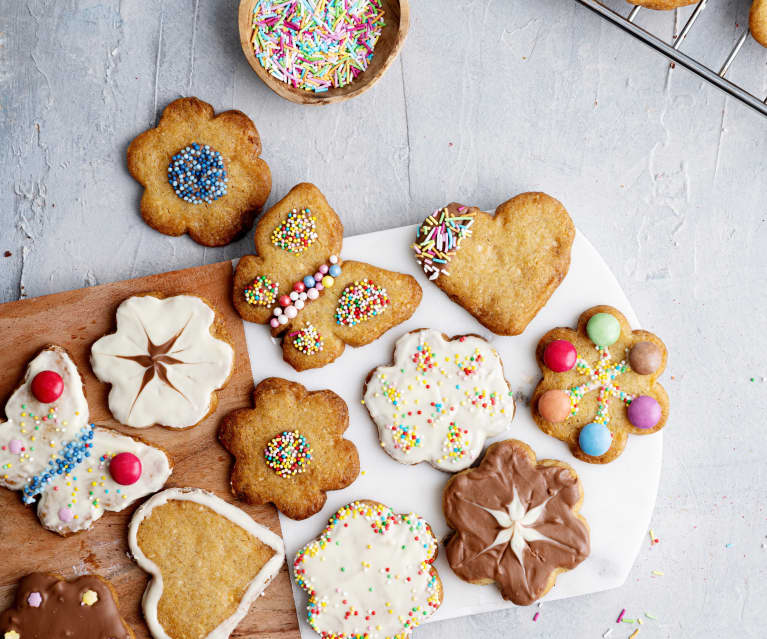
397	21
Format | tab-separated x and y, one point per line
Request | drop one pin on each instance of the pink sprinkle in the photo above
536	615
620	616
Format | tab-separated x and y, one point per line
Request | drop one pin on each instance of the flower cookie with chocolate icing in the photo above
440	400
310	297
209	562
51	607
289	448
370	573
600	385
502	267
516	522
48	449
165	361
201	173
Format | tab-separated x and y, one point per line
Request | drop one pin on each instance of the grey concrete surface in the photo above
664	174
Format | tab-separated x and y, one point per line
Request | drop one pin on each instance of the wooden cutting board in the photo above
75	320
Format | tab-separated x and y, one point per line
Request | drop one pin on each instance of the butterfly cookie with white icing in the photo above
165	361
370	573
48	449
440	400
299	285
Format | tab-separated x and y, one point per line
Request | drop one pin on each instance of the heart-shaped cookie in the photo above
500	267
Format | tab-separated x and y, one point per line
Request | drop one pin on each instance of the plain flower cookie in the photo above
369	574
599	385
289	448
440	399
49	450
48	606
516	522
299	285
165	361
209	562
502	267
201	174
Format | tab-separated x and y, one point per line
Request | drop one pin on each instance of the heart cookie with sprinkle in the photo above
298	284
503	267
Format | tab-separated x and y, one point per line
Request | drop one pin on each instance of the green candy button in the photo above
603	329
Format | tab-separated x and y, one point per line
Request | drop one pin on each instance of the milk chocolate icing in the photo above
516	522
61	612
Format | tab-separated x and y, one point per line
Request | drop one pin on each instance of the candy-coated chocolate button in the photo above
47	386
560	355
125	468
644	412
645	358
603	329
554	406
595	439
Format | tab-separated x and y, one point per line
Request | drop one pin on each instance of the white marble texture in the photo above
489	98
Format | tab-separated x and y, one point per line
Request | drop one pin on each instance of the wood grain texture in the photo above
393	34
75	319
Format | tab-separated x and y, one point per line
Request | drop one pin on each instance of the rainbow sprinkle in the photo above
288	454
261	291
601	377
308	340
439	239
360	302
297	233
316	44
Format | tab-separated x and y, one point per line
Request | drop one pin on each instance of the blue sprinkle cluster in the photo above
197	174
72	454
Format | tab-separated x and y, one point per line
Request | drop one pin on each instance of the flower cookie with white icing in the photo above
165	361
369	574
48	449
440	400
516	522
209	562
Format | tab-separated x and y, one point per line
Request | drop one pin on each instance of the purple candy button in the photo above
34	599
644	412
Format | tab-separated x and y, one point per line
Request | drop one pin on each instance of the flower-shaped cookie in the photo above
516	522
165	361
369	574
48	606
440	400
299	285
600	385
289	448
201	174
757	21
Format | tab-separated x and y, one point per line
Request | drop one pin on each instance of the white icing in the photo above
87	490
383	572
428	401
515	523
206	362
153	592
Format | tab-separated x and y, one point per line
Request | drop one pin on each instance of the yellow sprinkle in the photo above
634	634
659	573
89	597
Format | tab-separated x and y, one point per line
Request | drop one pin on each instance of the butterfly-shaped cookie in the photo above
300	287
48	449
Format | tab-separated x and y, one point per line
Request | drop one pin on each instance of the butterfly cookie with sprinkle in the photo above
299	285
49	450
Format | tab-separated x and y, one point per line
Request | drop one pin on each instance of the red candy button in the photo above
560	355
125	468
47	386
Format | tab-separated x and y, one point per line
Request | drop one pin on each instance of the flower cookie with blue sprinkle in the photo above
289	448
600	385
201	173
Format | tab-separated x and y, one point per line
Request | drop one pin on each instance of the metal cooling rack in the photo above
672	51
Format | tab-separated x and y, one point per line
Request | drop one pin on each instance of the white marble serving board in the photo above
619	497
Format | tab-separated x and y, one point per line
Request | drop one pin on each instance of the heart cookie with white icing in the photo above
440	399
209	562
165	361
48	449
299	285
503	267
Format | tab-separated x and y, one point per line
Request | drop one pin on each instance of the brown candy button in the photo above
645	358
554	406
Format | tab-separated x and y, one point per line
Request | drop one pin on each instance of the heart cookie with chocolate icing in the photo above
502	268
